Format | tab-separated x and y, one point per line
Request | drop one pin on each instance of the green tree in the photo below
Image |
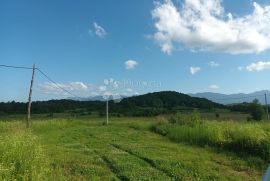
256	110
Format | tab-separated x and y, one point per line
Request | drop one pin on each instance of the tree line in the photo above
150	104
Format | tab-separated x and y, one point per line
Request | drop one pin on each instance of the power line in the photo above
57	85
16	67
45	75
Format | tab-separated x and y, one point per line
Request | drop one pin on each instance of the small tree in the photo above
217	115
256	110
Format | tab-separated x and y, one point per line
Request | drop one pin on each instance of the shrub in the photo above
256	110
162	129
249	119
217	115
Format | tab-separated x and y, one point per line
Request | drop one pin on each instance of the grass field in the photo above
126	149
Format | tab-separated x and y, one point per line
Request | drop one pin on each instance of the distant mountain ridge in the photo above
97	98
234	98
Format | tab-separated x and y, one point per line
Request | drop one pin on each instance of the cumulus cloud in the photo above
213	64
131	64
99	30
203	25
213	86
109	87
257	66
194	70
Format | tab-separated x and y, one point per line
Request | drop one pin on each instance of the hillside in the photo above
144	105
169	99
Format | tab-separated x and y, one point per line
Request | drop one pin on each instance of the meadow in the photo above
132	148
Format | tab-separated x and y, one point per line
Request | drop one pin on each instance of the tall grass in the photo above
239	137
21	157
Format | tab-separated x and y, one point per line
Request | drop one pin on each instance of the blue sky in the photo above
132	47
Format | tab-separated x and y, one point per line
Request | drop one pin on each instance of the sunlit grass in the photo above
21	156
85	149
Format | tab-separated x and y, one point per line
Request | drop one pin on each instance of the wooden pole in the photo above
107	110
266	106
30	97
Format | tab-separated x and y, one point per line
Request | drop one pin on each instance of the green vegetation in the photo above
148	105
22	158
151	104
126	149
256	110
250	138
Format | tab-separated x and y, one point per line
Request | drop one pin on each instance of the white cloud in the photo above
213	64
203	25
109	86
131	64
213	86
77	86
194	70
258	66
102	88
52	88
99	30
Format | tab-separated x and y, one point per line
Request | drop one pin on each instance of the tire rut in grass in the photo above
147	160
112	167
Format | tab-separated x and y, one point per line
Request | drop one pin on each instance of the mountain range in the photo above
98	98
215	97
234	98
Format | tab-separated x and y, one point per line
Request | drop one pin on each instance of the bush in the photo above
256	110
162	129
217	115
249	119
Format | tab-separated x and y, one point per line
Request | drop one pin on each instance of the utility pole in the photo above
30	98
107	110
266	105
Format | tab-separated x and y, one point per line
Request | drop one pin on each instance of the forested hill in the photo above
169	99
143	105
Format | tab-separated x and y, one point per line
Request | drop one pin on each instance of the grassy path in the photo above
87	150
